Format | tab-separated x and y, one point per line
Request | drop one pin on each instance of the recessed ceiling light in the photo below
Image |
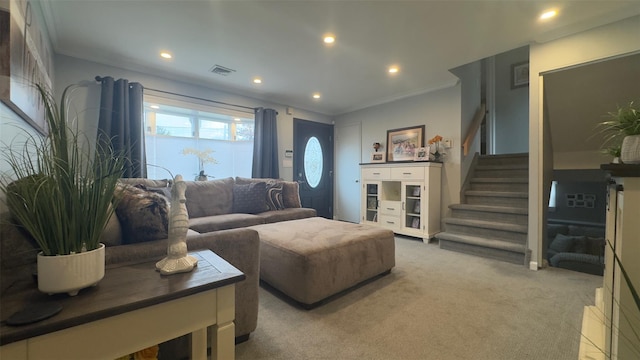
236	119
154	107
257	81
316	95
548	14
166	55
393	69
329	39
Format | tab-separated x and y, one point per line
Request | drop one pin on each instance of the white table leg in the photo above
223	333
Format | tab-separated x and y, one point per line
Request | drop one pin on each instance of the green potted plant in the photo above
63	195
621	132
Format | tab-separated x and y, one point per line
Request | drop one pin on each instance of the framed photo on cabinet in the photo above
377	157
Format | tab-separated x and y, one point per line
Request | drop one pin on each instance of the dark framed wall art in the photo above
25	60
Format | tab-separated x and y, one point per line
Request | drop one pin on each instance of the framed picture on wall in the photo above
520	75
403	143
26	59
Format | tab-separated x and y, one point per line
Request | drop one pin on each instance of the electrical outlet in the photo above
448	143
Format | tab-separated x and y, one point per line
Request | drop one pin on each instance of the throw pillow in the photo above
143	215
274	196
562	243
250	198
291	194
579	245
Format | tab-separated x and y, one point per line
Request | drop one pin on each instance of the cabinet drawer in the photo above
409	173
390	222
391	208
375	173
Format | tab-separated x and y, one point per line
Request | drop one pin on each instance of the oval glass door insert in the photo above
313	162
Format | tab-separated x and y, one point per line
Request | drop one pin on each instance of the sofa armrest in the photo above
590	264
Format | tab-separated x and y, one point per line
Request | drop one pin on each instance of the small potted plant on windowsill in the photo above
63	195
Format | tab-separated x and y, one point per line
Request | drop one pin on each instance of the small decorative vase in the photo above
70	273
630	150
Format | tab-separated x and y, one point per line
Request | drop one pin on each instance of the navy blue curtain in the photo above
265	144
121	123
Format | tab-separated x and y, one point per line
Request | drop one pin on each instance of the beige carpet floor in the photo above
435	304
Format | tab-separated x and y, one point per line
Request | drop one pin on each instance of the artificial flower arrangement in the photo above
435	141
204	157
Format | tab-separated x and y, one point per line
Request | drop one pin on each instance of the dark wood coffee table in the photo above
132	308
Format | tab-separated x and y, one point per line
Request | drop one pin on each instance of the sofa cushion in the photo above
112	234
143	215
291	194
207	198
554	229
223	222
592	231
595	246
273	216
250	198
564	243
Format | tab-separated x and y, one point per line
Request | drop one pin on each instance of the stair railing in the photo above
480	115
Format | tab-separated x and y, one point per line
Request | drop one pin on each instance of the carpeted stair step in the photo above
504	159
502	214
497	198
488	229
502	171
481	246
500	184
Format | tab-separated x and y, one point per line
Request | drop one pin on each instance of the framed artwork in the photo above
403	143
421	154
377	157
520	75
25	60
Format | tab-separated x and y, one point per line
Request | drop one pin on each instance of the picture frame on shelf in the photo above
416	207
415	191
421	154
415	223
519	75
402	143
377	157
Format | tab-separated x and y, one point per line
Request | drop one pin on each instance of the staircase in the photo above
492	220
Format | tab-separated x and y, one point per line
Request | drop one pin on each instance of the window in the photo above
187	138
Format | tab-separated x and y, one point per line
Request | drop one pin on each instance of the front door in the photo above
313	165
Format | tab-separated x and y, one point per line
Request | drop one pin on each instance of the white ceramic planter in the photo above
630	149
70	273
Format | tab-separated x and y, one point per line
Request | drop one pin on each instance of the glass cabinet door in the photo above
371	201
412	206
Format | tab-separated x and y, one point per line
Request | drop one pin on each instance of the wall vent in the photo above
221	70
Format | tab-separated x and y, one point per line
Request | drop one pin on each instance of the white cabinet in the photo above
621	314
403	197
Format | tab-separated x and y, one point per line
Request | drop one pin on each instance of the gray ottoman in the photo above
314	258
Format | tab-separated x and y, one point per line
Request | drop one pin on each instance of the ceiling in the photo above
281	42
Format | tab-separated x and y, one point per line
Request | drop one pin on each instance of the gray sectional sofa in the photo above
576	247
219	212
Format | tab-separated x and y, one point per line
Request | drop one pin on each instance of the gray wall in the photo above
511	105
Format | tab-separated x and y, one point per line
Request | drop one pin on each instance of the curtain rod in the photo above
98	78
